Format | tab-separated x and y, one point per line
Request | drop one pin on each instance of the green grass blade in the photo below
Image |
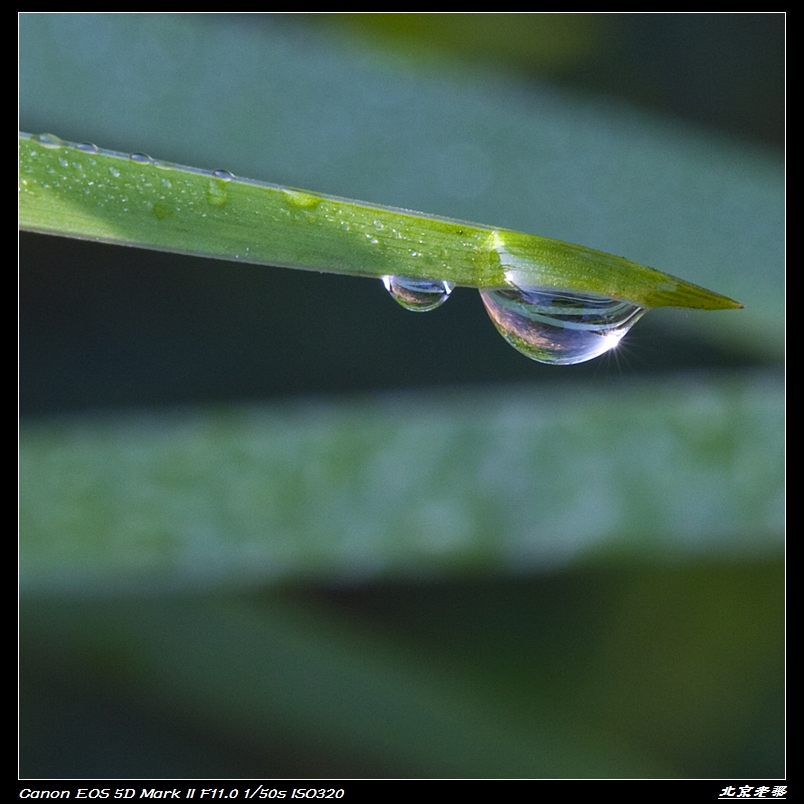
81	191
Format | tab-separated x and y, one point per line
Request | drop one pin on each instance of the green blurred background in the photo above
274	525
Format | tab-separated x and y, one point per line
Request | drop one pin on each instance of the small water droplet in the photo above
49	140
143	159
89	147
115	172
561	327
224	175
161	211
298	198
419	295
217	194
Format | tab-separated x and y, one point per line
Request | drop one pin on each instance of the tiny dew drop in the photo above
217	194
161	211
143	159
560	327
419	295
89	147
49	140
223	175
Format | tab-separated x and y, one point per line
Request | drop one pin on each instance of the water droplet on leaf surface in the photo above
217	194
49	140
143	159
560	327
418	295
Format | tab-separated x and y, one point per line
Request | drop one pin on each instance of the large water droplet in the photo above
560	327
419	295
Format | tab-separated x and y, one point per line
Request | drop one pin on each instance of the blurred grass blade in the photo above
277	672
386	488
82	191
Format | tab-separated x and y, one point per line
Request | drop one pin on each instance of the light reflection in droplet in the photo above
560	327
418	295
